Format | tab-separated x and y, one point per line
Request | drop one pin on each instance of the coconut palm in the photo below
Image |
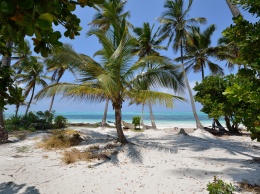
175	23
111	16
233	8
32	75
111	79
198	52
148	44
58	67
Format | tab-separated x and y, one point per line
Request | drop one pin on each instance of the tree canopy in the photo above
36	19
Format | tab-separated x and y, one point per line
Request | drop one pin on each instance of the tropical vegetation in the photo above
130	66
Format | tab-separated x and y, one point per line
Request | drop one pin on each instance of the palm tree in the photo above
198	52
233	8
32	74
58	67
111	16
147	44
111	79
175	24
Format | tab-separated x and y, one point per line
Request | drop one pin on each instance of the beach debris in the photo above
183	132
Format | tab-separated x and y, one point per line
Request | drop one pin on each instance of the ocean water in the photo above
162	119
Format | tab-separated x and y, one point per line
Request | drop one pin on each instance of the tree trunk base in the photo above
3	135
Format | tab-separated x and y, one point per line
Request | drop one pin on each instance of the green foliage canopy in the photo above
215	104
35	18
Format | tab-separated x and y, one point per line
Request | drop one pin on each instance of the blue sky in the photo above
216	12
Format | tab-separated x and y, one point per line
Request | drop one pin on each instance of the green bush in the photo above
35	121
136	121
220	187
60	121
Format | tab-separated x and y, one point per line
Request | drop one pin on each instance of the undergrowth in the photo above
61	139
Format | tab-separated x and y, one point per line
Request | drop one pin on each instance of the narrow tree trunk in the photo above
16	109
151	116
202	72
53	97
104	120
6	62
198	123
29	104
142	115
52	100
233	8
118	118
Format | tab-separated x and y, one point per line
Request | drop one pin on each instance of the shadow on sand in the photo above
11	188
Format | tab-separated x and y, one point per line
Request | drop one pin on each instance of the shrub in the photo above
60	121
136	121
61	139
220	187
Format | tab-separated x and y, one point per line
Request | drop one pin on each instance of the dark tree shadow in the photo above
11	188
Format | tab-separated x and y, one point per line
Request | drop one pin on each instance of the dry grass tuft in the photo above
246	186
61	139
92	153
75	155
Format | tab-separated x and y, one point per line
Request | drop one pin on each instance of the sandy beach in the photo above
158	161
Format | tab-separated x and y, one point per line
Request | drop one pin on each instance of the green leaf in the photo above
38	35
46	16
54	37
44	24
29	30
7	7
71	7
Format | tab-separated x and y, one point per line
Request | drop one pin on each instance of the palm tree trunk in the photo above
152	116
104	120
52	100
118	118
16	109
202	71
53	97
198	123
29	104
142	115
233	8
6	62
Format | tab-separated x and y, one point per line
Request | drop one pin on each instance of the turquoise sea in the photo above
162	119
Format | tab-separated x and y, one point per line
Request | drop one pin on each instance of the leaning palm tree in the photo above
58	67
175	23
233	8
147	45
111	16
32	75
198	52
111	79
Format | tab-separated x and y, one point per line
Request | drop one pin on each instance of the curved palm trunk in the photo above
233	8
29	104
142	115
53	97
104	120
118	118
198	123
6	62
17	109
152	116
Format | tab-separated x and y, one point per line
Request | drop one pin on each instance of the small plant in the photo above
136	121
60	121
220	187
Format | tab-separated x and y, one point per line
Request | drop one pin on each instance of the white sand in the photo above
168	163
